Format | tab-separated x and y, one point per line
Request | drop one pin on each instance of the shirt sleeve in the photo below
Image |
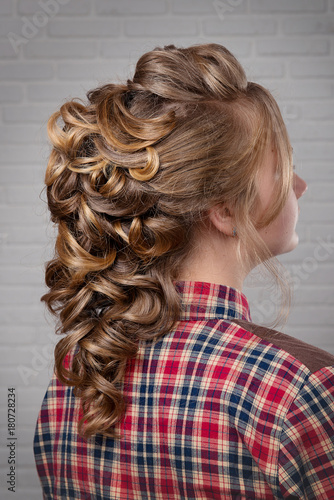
306	457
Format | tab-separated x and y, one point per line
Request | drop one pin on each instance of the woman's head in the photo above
190	118
132	174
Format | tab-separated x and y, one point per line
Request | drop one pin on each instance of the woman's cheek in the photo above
280	236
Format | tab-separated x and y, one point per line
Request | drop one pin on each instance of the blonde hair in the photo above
131	174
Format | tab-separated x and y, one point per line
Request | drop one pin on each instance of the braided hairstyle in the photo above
130	176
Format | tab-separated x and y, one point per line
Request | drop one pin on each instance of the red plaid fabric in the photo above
217	410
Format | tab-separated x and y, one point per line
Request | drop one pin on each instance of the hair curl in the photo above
131	173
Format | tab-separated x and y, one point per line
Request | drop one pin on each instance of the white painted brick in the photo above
28	256
55	49
26	113
241	48
6	7
131	50
319	110
11	357
300	90
3	238
32	315
169	26
300	46
27	234
308	25
20	195
17	215
313	68
317	169
306	250
34	372
37	358
84	28
311	295
321	231
98	71
11	154
26	71
19	295
264	69
288	5
73	7
307	131
307	296
205	7
21	134
11	235
124	49
320	212
313	274
240	26
307	316
6	50
17	175
307	333
22	275
264	300
12	375
320	192
129	7
11	93
3	196
57	92
16	26
26	334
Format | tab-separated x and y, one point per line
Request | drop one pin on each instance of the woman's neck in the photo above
214	259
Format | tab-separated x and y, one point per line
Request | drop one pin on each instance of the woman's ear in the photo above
220	216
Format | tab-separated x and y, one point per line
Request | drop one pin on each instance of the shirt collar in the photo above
203	301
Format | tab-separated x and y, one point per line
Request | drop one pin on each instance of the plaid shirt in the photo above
218	409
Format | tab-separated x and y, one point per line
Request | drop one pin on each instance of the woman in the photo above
167	191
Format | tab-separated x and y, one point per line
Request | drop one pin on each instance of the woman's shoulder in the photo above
311	356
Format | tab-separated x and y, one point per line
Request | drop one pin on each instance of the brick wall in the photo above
51	50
